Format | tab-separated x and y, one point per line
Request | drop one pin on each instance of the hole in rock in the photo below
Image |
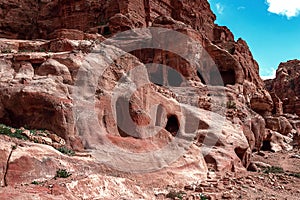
211	162
106	31
266	146
228	77
172	125
240	153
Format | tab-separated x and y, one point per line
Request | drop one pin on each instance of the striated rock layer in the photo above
106	89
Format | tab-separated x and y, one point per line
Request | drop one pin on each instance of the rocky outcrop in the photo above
178	100
28	20
284	90
286	86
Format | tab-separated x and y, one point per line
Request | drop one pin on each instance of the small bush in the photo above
231	105
62	173
297	175
35	182
273	169
203	197
66	151
6	130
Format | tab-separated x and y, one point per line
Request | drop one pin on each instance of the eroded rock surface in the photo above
115	101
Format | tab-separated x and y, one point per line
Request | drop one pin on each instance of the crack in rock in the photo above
7	164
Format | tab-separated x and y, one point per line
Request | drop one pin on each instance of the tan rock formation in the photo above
148	100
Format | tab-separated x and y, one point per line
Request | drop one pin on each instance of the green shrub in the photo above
203	197
297	175
273	169
62	173
35	182
66	150
6	130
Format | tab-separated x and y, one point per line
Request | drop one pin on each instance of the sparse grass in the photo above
33	132
66	150
203	197
6	130
231	105
36	183
297	175
62	173
273	169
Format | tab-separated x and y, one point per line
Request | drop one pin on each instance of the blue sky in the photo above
270	27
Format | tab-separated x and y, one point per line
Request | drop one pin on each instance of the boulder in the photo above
279	124
279	142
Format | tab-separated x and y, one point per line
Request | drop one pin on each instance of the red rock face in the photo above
26	19
71	19
286	86
37	81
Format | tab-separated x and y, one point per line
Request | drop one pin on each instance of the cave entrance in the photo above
266	146
228	77
240	153
172	124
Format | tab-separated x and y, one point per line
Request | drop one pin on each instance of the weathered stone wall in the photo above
28	20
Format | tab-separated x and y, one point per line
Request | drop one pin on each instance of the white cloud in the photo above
288	8
269	75
220	8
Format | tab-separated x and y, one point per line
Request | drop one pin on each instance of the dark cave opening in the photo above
240	153
172	125
228	77
266	146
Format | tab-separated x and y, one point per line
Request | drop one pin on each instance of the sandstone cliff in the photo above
217	109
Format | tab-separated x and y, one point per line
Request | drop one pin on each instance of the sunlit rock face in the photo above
136	86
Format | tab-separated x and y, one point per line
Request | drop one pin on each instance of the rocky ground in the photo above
79	176
277	178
